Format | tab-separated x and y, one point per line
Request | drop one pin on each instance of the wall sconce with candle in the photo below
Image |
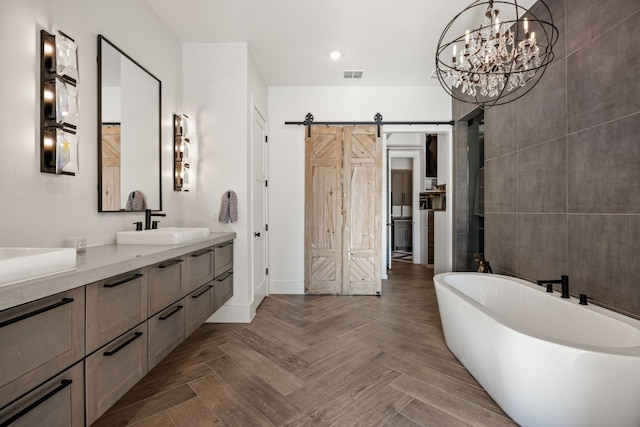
58	104
181	145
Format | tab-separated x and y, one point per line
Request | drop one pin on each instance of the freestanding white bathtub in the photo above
545	360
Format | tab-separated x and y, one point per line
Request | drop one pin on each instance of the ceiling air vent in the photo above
352	74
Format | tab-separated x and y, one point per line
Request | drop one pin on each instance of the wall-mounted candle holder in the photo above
181	144
58	104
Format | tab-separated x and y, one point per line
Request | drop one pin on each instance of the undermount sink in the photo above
20	264
162	236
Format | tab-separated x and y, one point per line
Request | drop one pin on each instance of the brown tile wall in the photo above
562	177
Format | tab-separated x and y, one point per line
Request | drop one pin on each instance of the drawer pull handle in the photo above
224	245
175	310
125	280
170	263
197	254
225	277
123	345
204	291
63	384
16	319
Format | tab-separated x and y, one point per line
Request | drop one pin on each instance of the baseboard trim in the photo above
233	314
287	287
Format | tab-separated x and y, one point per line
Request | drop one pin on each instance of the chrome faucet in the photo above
564	282
147	219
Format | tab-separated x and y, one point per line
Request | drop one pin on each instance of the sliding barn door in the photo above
342	211
323	211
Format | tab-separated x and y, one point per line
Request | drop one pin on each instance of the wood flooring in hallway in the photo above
317	361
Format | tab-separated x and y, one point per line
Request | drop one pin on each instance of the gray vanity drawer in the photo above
223	289
166	283
199	268
114	369
114	306
39	339
166	332
223	257
200	306
57	403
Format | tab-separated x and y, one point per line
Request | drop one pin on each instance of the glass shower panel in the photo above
476	189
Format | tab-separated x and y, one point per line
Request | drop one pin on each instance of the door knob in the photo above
257	234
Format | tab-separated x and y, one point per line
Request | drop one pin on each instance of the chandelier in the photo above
502	59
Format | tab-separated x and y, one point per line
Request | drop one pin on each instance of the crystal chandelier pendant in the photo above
500	60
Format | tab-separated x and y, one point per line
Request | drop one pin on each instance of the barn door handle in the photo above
256	234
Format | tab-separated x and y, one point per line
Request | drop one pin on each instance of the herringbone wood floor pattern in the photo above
317	361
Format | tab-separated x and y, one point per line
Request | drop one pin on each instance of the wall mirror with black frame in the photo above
129	133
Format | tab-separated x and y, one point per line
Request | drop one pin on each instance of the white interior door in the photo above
259	206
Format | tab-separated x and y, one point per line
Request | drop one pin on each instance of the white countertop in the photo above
98	263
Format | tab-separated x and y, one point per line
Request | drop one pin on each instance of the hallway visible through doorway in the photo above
404	256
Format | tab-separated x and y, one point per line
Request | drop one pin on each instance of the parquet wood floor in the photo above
317	361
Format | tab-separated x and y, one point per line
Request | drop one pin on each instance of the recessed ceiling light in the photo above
335	55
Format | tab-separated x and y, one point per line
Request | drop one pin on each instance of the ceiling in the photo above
393	42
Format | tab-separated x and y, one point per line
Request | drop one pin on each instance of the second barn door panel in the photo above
342	211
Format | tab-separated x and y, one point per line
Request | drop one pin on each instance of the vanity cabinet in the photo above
39	340
114	306
167	330
223	289
223	285
114	369
223	257
200	268
199	307
59	402
166	283
67	358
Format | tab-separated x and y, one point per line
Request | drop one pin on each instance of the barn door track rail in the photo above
377	121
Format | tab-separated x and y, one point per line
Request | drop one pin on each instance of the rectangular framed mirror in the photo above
129	133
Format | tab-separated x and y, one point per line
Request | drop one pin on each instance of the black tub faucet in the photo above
147	219
564	282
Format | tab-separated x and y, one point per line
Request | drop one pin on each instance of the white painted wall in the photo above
401	164
42	209
218	81
286	155
401	139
